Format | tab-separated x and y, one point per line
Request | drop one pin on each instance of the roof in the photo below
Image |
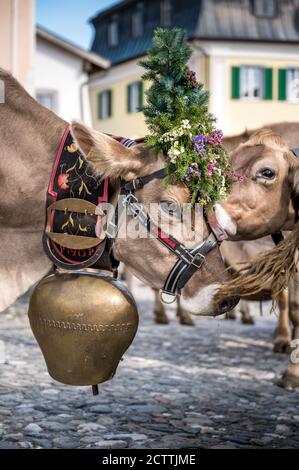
90	57
131	47
114	8
231	20
234	20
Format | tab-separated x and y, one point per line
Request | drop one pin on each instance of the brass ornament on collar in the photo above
83	323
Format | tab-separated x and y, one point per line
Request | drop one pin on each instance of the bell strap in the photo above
73	241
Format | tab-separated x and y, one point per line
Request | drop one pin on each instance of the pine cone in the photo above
190	79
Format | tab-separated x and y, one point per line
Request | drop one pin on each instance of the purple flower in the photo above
215	138
192	172
200	150
201	195
199	139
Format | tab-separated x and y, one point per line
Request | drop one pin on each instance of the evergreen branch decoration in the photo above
180	124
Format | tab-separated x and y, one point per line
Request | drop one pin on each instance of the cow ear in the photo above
107	156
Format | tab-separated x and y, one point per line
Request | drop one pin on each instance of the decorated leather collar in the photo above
72	237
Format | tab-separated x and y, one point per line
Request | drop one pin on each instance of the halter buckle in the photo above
167	297
129	199
200	260
134	184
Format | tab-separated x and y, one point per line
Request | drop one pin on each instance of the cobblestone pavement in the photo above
212	386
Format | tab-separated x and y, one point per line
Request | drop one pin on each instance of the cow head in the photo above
267	199
146	257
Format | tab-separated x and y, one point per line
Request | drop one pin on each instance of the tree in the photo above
181	127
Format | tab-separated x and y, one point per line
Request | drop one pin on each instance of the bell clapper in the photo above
95	389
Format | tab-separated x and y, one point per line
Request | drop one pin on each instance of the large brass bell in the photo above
83	323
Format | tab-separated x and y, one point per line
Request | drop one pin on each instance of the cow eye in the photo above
266	173
172	209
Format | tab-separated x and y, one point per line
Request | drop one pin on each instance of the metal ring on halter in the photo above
167	298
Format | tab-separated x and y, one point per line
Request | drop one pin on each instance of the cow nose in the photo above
228	305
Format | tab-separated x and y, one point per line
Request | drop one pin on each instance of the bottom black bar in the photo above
137	458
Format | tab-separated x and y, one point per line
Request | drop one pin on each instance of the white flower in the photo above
222	193
173	153
186	124
182	149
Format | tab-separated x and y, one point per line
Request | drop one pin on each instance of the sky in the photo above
69	18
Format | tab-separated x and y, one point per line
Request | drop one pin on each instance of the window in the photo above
105	104
48	99
165	12
137	21
251	82
265	8
135	96
293	84
113	33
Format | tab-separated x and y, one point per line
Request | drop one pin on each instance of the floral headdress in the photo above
179	121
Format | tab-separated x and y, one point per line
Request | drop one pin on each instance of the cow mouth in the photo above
227	305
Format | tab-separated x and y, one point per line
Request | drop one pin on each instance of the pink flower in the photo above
211	166
233	174
215	138
63	180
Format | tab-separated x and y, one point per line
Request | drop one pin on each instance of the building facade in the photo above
245	52
62	73
17	39
50	68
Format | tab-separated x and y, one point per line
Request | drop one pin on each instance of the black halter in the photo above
189	260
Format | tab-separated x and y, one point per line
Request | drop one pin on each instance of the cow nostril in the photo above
228	305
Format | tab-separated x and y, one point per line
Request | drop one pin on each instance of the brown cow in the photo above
30	136
262	202
288	302
259	146
256	193
29	139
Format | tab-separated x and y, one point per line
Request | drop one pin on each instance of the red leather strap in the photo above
218	231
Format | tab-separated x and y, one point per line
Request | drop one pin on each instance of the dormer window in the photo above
265	8
165	13
137	21
113	33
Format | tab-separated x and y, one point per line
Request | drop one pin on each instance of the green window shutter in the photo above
129	98
109	103
140	95
282	84
235	83
100	97
268	83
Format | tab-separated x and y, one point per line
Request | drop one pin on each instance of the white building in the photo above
61	74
